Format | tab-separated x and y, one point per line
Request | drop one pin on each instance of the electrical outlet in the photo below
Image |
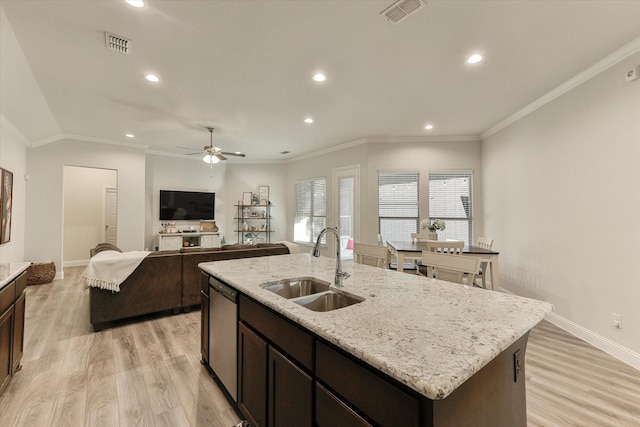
617	320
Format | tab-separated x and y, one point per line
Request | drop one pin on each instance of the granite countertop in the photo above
428	334
9	271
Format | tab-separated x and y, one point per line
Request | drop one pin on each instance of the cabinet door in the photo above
170	243
332	412
252	383
204	327
6	323
210	241
290	393
18	332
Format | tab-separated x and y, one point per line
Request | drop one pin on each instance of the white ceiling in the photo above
245	68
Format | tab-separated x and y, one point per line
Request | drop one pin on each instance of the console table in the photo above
177	241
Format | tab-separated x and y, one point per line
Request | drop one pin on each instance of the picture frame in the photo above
6	196
263	194
246	198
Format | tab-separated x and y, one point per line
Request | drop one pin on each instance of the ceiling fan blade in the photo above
194	154
220	156
226	153
188	148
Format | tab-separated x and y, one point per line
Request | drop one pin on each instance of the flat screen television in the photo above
187	205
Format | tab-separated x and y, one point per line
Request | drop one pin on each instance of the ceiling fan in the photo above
213	155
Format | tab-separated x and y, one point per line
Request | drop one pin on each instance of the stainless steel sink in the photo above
327	301
297	287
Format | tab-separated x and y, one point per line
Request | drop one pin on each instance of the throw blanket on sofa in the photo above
108	269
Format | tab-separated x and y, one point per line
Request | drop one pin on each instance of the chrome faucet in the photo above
316	253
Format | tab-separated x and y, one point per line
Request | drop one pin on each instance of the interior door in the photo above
346	204
111	215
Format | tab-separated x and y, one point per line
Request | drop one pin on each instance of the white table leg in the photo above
400	256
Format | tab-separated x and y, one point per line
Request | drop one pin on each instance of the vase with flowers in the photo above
430	227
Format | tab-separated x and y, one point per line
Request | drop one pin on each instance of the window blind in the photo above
310	209
398	204
450	199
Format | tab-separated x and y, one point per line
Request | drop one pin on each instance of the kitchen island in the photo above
414	351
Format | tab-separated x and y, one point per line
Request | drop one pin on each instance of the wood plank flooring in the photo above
149	373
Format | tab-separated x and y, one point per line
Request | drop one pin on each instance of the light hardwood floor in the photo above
149	373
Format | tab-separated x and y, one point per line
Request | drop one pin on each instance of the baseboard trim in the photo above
612	348
76	263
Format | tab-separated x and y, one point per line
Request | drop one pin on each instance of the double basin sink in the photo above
311	293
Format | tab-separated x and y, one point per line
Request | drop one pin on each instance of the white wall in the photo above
13	157
44	219
83	205
562	198
228	180
419	154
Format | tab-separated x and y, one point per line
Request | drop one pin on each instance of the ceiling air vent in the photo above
401	9
117	43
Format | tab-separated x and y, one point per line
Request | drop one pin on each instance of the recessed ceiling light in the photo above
152	78
308	120
319	77
130	135
428	127
474	59
135	3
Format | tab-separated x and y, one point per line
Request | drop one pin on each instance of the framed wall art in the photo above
6	196
263	194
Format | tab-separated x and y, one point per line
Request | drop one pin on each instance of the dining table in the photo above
411	250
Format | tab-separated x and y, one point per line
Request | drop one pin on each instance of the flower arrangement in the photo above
436	224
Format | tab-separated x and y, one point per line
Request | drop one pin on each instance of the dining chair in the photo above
484	243
374	255
420	237
452	268
452	247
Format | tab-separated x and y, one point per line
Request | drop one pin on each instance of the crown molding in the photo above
84	138
8	126
610	60
386	139
198	158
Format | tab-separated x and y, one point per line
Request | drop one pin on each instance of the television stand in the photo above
188	239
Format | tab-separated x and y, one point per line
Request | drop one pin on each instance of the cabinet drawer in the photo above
283	334
372	394
7	296
331	411
21	284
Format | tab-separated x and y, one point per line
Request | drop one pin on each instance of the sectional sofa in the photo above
165	281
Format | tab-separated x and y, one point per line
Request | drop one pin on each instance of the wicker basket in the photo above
41	272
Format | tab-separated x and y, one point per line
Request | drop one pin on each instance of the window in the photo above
398	204
450	199
310	209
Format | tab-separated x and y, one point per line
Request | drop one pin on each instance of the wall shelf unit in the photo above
255	221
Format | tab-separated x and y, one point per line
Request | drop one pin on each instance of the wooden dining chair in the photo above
484	243
374	255
452	247
452	268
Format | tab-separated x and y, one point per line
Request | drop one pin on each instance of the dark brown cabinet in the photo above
252	380
274	388
331	411
204	319
12	311
290	393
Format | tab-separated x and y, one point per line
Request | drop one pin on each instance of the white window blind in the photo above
398	204
450	199
310	209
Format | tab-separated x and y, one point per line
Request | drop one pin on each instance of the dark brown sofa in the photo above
165	280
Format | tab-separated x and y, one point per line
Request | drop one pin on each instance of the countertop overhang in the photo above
9	271
428	334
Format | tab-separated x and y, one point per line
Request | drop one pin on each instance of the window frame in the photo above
312	214
412	176
454	173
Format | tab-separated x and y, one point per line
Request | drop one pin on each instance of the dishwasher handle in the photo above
224	290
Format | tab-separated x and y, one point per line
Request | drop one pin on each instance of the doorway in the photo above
346	182
88	208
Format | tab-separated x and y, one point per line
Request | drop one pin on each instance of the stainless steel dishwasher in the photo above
223	333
